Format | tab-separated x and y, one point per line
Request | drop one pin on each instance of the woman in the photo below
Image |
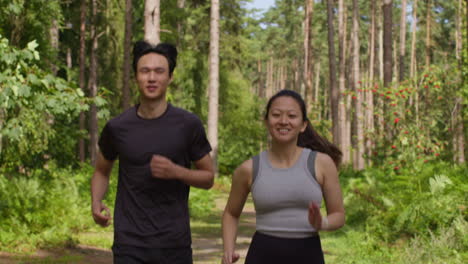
287	183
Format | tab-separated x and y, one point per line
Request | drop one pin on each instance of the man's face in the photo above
153	76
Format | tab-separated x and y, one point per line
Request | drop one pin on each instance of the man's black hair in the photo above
167	50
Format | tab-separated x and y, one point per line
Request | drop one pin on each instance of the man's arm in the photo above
99	184
201	177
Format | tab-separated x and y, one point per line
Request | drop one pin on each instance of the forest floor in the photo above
206	242
94	247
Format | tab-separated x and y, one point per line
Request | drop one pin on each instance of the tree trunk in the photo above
214	81
357	86
402	40
380	56
428	33
54	43
2	120
413	40
92	87
69	60
152	25
459	139
309	5
334	96
127	55
260	79
395	61
380	59
180	34
317	80
344	139
82	83
387	42
369	123
269	83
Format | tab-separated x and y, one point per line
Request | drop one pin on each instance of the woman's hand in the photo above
315	217
230	257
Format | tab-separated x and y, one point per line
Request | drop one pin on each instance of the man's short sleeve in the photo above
106	144
199	146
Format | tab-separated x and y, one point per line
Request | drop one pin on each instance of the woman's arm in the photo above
327	176
240	188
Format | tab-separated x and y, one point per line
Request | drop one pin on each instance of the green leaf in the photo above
32	45
36	55
80	92
99	101
15	89
404	141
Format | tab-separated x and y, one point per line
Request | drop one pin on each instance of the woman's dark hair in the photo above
167	50
309	138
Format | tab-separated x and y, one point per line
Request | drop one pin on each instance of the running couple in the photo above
163	150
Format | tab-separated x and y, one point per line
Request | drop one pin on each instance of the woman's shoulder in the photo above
325	164
245	167
324	160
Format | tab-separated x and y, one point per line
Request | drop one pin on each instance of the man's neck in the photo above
151	109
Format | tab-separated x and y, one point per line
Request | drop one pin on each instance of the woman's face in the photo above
284	120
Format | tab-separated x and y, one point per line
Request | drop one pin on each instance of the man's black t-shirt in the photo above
151	212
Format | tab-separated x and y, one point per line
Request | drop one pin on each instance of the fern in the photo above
438	183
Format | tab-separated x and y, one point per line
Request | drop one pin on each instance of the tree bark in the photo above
334	95
395	61
357	87
428	33
309	5
317	79
413	40
269	83
380	67
459	139
402	40
127	55
181	6
214	81
2	120
259	85
344	139
92	87
369	123
54	43
152	24
387	42
82	82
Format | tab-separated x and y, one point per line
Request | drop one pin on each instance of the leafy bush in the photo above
36	108
201	202
409	204
241	130
43	209
418	119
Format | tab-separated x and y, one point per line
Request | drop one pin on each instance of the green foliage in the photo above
241	129
417	216
415	119
36	108
201	203
414	203
23	21
44	209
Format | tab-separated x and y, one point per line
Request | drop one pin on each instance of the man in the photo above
155	143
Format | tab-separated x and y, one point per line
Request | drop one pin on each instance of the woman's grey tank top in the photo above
282	195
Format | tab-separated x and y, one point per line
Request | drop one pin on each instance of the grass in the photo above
350	245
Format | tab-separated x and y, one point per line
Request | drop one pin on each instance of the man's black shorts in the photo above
137	255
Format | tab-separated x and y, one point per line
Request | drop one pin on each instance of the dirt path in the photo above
206	244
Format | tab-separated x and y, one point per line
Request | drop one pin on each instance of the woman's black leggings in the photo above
266	249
